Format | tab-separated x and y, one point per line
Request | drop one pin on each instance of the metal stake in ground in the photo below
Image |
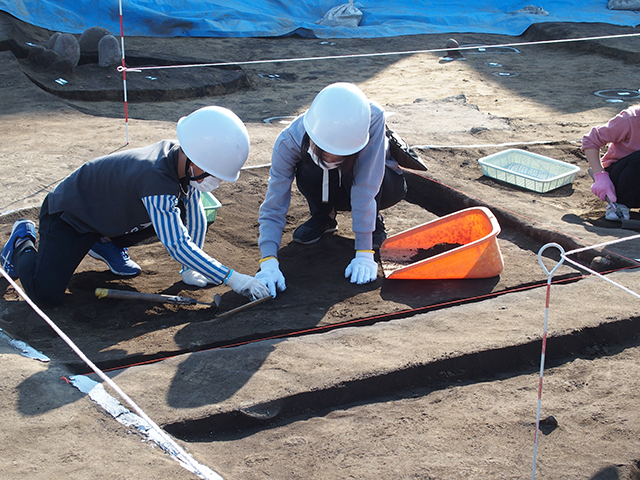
544	343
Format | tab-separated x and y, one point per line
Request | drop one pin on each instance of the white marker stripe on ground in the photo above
98	394
23	348
184	458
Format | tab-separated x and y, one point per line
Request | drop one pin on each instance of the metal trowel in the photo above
155	297
626	224
176	300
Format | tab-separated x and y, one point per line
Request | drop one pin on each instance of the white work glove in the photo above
363	268
191	277
271	275
246	285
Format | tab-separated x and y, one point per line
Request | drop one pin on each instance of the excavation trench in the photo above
89	82
401	383
464	365
234	418
119	333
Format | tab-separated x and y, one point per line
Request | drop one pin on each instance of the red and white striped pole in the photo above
124	76
544	344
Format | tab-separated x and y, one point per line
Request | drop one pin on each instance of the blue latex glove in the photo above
271	275
363	268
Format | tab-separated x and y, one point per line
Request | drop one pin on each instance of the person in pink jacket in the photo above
617	173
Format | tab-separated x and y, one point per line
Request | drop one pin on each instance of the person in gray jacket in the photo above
338	153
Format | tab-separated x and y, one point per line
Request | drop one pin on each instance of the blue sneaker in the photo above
22	230
116	258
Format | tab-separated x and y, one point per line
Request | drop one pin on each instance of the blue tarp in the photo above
272	18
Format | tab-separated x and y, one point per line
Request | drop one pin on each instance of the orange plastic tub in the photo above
460	245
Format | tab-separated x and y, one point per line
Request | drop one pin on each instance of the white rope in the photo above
488	145
200	470
565	256
252	167
379	54
611	242
616	284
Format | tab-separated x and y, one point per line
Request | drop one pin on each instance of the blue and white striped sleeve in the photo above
165	216
196	218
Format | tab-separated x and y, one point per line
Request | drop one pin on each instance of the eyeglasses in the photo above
198	177
201	176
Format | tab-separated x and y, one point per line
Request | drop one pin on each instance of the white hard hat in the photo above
216	140
338	119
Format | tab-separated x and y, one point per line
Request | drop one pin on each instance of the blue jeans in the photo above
46	272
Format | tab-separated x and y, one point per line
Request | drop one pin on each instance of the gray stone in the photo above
623	5
601	264
52	40
109	51
49	57
91	37
68	48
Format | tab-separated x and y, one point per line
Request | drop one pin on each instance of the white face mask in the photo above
207	184
321	164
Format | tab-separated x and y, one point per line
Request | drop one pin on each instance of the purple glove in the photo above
603	187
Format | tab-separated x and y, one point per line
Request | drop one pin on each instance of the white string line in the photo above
611	242
580	266
593	272
379	54
251	167
507	144
197	468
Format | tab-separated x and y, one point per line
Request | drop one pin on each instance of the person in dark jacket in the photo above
117	200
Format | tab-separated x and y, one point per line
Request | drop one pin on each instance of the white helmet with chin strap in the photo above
216	140
338	119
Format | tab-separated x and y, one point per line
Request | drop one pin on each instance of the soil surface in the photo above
539	98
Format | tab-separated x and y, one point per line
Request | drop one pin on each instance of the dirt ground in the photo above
540	98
